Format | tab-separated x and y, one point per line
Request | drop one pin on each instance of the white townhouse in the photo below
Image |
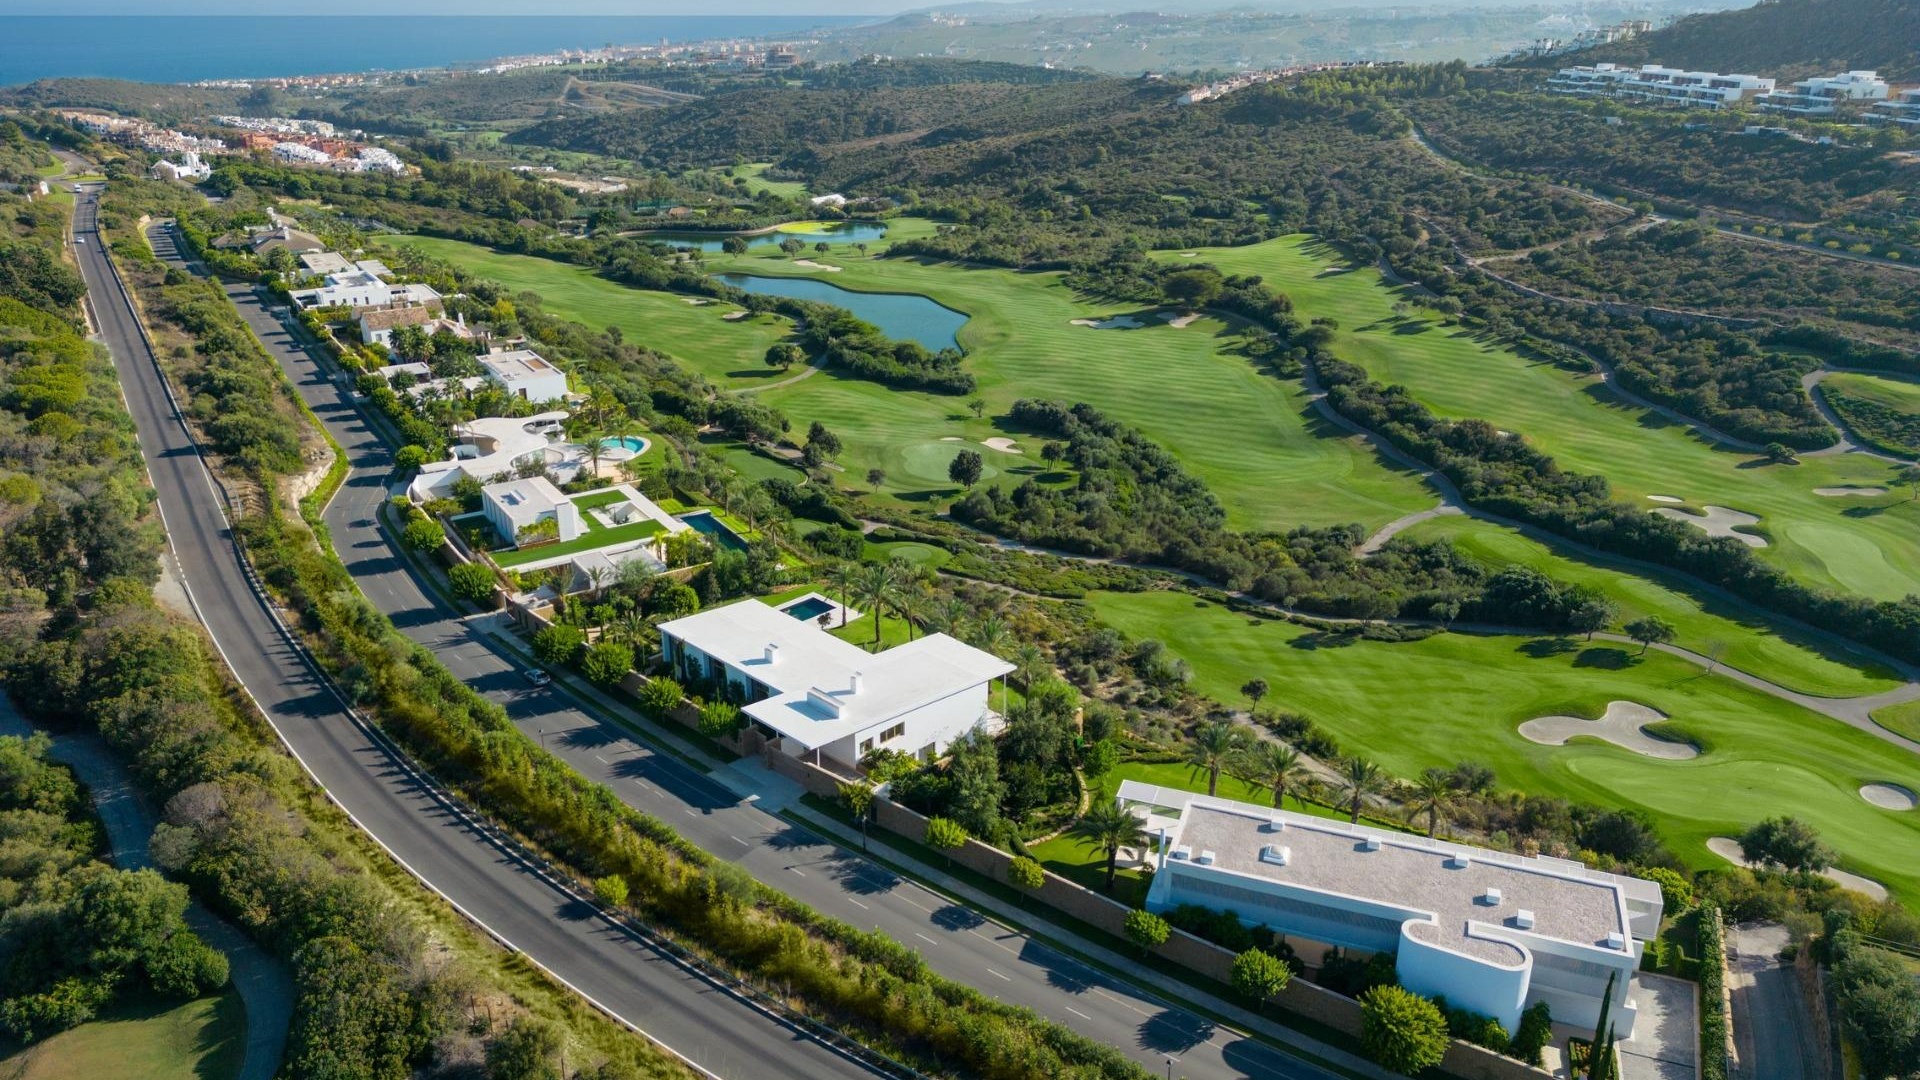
1492	931
1660	85
812	693
1825	95
525	374
1903	109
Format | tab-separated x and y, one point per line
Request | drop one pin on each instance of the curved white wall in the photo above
1466	982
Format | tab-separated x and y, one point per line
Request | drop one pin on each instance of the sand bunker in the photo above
1189	254
811	265
735	316
1729	849
1624	725
1850	492
1718	521
696	301
1178	321
1002	444
1117	322
1890	796
1665	499
951	438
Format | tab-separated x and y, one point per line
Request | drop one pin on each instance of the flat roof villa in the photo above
1904	109
360	288
493	446
1825	95
809	691
526	374
514	506
1492	931
1661	85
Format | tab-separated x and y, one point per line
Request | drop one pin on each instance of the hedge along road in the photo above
427	833
956	941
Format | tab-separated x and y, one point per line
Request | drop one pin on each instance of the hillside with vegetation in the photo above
1787	39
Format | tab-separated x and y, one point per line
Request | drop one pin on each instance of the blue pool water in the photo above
847	233
809	609
625	442
901	316
707	525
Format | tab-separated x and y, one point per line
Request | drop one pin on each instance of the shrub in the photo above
607	662
1025	874
661	695
1713	1014
611	890
411	456
558	644
424	533
1676	892
1258	976
1147	930
1402	1030
471	582
1536	1031
945	834
719	719
1344	974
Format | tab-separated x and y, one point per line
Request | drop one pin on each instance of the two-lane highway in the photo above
706	1024
955	940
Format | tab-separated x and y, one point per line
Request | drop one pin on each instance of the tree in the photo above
1651	630
1589	616
977	406
784	355
1258	976
1025	875
607	662
1110	827
1361	782
857	797
1780	454
1215	745
471	582
1192	289
1147	930
1273	766
611	890
977	791
1401	1030
945	835
734	245
424	534
1908	476
860	246
558	644
1433	795
411	456
792	247
1788	843
661	694
823	247
1030	664
719	719
965	469
1254	690
876	585
1600	1059
529	1049
876	477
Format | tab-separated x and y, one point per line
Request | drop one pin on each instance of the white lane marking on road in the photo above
737	840
601	760
925	938
858	904
797	870
689	811
1078	1013
997	975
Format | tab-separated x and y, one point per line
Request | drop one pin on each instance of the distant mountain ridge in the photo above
1781	38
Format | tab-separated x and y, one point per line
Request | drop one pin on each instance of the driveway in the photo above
1771	1027
1666	1037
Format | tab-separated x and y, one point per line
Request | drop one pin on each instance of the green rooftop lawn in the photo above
596	536
1461	696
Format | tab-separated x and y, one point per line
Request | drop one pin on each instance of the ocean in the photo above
192	47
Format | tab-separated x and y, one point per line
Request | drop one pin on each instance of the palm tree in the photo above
1361	782
950	618
1214	746
1271	765
990	635
1433	795
911	606
1029	660
1110	827
843	578
878	585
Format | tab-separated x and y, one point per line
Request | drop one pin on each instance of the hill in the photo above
1782	38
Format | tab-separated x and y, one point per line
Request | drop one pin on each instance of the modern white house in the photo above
190	167
489	447
513	505
526	374
814	694
359	288
1903	109
1660	85
1492	931
1825	95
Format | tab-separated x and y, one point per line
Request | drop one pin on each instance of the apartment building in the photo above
1827	94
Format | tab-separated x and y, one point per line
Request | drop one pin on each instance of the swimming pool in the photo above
808	609
704	523
632	443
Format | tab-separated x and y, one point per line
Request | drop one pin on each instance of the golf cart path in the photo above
262	981
1848	444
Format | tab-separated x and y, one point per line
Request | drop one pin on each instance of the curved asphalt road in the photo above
710	1027
956	941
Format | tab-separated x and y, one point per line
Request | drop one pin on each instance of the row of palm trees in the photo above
1223	746
894	586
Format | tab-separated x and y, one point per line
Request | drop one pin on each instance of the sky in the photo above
460	7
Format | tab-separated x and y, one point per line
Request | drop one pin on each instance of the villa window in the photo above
893	732
866	746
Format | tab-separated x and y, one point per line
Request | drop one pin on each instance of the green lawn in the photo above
1901	719
1187	778
730	353
1706	624
149	1039
1869	546
1457	696
1893	391
596	536
755	175
1247	434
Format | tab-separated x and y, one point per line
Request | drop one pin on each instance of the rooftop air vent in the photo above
1205	858
1491	897
1273	825
1459	860
1276	854
1523	919
1371	843
1183	853
1617	940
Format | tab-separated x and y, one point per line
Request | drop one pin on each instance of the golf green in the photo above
1587	428
1459	696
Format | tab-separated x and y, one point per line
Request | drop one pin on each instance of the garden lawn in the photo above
1868	546
149	1039
755	174
1901	719
1457	696
596	536
1740	634
730	354
1892	391
1252	438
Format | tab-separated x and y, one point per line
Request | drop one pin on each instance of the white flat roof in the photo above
524	500
812	674
1448	881
518	365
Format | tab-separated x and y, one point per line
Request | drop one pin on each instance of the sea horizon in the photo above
194	48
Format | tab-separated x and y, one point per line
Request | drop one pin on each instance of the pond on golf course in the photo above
902	316
844	232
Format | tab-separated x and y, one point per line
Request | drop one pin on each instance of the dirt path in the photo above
1398	525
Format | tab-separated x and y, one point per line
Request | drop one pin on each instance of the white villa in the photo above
1903	110
493	446
190	167
526	375
1492	931
514	505
810	692
1823	96
361	288
1660	85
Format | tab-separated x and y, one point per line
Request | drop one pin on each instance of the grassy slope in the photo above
1746	641
1892	391
1246	434
150	1039
1456	696
1865	546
